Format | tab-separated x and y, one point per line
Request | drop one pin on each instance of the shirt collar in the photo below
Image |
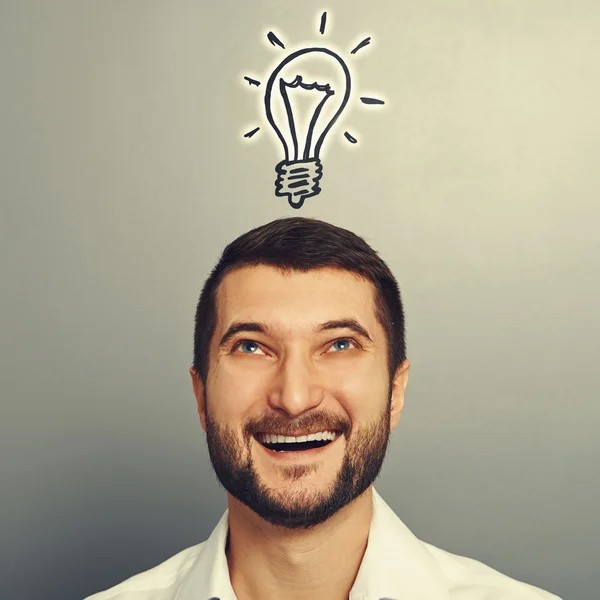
396	565
208	578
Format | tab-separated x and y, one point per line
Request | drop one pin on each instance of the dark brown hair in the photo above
302	244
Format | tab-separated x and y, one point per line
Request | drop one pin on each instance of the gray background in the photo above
123	174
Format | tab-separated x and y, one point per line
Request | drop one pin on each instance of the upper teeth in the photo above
274	438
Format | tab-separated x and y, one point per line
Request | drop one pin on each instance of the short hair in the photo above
303	244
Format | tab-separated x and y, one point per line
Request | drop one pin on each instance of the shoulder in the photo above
469	579
158	583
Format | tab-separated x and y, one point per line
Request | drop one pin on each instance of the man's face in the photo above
293	355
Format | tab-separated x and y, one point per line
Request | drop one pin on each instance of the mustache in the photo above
319	421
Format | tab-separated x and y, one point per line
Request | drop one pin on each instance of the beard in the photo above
234	467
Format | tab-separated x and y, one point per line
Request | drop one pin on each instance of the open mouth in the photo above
280	443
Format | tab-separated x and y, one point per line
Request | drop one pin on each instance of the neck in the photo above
270	563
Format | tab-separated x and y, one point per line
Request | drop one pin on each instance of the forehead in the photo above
294	299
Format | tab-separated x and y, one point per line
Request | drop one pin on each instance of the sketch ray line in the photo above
251	81
251	133
362	44
350	138
366	100
323	22
275	41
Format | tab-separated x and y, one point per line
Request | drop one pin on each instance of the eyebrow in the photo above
351	324
241	326
258	327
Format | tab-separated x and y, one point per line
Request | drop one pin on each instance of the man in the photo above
299	373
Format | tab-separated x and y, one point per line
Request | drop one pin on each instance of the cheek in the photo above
358	371
361	385
233	392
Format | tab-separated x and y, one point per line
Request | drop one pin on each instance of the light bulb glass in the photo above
304	97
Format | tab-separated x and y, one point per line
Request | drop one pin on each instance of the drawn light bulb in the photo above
304	97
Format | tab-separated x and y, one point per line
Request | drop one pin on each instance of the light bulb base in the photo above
298	180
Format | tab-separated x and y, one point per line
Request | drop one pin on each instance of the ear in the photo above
398	388
200	396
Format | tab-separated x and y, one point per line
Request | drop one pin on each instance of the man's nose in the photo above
297	386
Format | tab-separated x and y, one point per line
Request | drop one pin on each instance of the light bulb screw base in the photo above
298	180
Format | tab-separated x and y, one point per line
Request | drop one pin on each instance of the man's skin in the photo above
291	377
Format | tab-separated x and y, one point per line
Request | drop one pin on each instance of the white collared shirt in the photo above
396	566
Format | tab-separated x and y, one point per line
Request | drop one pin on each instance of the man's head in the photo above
299	329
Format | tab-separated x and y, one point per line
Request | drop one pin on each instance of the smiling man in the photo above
299	373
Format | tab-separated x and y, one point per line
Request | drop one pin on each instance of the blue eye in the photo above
342	344
249	347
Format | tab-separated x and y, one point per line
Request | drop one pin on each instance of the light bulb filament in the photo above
298	83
